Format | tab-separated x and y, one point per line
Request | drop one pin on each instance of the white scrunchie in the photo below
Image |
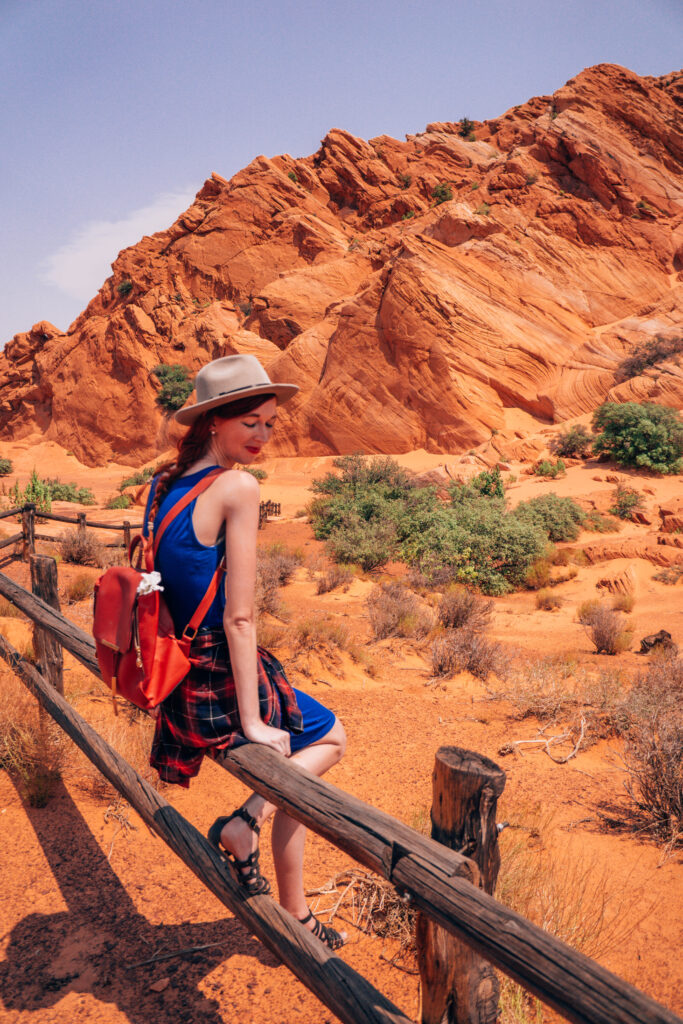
150	582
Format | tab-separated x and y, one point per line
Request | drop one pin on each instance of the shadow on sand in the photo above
89	946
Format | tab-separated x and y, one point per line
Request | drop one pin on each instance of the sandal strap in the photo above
244	814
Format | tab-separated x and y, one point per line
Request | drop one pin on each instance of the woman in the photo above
234	693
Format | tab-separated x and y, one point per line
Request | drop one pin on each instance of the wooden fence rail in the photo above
29	514
438	880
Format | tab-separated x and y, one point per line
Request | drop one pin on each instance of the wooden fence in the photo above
27	536
460	921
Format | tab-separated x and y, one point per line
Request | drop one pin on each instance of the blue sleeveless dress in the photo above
201	716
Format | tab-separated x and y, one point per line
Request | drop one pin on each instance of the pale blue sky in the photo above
115	111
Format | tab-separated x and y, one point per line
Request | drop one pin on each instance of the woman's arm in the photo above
239	493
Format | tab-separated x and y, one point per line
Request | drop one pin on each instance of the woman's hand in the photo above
278	739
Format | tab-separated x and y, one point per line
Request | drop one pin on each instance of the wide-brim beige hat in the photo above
229	379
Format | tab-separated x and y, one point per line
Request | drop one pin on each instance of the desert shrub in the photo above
138	479
649	354
336	576
5	467
33	749
465	127
79	588
587	611
623	603
607	631
8	610
670	575
81	549
283	561
396	611
576	442
653	753
121	501
647	436
70	492
538	574
626	501
292	175
124	288
441	193
464	650
255	471
363	657
369	544
405	180
460	607
489	483
176	387
548	601
36	491
542	688
597	523
315	631
548	468
561	518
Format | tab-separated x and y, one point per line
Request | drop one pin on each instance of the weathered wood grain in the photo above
48	649
348	994
14	539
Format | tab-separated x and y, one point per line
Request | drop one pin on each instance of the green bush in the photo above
560	518
550	469
176	388
465	128
70	492
139	478
5	467
573	443
405	180
626	501
124	288
36	491
293	176
120	501
255	471
647	436
649	354
441	193
490	483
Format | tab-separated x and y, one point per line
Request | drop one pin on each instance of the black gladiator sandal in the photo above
324	932
247	871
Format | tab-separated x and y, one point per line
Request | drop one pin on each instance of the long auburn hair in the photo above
193	444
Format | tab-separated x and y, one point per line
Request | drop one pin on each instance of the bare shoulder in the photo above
236	487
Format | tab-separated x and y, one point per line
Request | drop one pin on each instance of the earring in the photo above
213	433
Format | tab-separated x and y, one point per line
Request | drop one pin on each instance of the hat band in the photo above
245	387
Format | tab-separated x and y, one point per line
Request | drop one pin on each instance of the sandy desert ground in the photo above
87	891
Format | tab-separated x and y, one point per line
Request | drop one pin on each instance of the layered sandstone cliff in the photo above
407	323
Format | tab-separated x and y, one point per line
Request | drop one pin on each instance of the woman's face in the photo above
241	438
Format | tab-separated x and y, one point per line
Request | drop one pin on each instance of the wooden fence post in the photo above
459	986
126	534
28	526
48	649
81	526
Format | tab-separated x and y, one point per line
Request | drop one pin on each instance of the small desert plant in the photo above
607	632
70	492
483	210
441	193
36	491
137	479
489	483
315	631
124	288
275	566
649	354
627	500
81	549
542	688
647	435
548	601
396	611
463	650
79	588
623	603
405	180
550	469
176	387
576	442
597	523
283	561
465	127
336	576
256	471
32	747
292	175
670	575
460	607
363	657
369	544
587	610
121	501
537	575
5	467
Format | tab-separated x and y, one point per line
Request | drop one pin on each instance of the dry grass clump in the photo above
363	657
275	566
587	609
623	603
33	749
608	632
460	607
544	689
79	588
538	574
394	610
131	735
82	549
9	610
653	754
315	632
336	576
464	650
547	601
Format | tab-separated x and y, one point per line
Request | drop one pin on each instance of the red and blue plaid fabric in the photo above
201	718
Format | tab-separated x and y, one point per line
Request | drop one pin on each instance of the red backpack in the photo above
139	655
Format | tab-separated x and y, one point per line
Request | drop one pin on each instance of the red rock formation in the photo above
407	324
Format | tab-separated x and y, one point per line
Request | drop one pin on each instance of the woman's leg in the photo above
288	835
